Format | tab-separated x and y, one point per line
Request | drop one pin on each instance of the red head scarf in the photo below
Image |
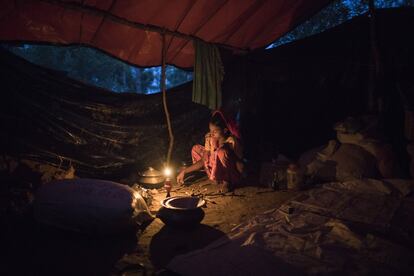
229	122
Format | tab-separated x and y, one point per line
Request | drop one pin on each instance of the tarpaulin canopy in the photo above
131	30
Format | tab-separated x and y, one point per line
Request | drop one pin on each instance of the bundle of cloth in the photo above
90	206
356	153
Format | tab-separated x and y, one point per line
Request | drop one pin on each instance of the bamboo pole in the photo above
164	100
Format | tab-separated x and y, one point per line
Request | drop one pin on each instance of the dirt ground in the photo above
158	243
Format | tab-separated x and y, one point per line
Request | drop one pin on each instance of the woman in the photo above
221	156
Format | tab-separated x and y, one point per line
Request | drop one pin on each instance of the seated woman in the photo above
221	156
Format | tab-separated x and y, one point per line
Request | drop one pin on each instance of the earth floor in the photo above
158	243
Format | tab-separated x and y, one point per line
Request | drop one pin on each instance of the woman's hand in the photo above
206	156
180	177
207	145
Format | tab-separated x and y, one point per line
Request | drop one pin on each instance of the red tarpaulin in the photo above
116	26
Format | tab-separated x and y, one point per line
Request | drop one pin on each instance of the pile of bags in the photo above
353	155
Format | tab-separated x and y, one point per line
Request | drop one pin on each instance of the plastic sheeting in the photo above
108	25
49	118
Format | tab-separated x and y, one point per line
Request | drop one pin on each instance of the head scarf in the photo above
229	122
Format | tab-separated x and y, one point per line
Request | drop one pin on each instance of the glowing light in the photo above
167	172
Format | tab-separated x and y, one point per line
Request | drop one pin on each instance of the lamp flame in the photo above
167	172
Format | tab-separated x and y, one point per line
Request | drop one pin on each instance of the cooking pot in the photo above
181	211
151	179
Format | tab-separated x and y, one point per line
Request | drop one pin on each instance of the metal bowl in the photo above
151	179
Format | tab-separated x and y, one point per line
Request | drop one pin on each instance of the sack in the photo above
354	162
90	206
386	160
347	162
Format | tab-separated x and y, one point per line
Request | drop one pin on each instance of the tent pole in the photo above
164	100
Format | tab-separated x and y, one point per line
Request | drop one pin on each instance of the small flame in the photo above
167	172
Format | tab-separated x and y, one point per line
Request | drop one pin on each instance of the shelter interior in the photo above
326	103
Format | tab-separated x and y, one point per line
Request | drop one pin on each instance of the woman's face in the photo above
216	132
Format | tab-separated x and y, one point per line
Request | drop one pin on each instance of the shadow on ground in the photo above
170	242
32	249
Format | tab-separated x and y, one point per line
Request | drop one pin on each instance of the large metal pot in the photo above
151	179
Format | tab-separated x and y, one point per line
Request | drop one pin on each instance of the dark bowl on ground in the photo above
181	211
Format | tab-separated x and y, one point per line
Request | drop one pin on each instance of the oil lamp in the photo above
167	182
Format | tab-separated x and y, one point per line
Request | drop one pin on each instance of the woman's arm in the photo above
238	151
236	146
194	167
